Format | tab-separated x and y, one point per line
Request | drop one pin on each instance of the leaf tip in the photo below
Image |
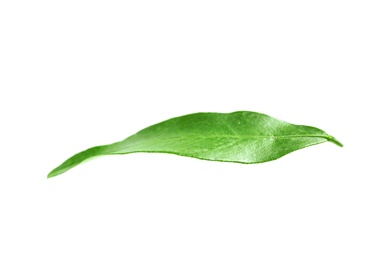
50	175
335	141
54	173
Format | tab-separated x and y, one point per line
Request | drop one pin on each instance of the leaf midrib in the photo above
245	136
155	138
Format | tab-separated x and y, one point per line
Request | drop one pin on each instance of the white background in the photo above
75	74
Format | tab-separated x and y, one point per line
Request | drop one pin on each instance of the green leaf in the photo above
241	137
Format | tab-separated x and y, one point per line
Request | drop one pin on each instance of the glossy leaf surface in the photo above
242	137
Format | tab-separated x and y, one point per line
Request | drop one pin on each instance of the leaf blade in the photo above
241	137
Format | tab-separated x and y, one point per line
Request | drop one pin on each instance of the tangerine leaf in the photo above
241	137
